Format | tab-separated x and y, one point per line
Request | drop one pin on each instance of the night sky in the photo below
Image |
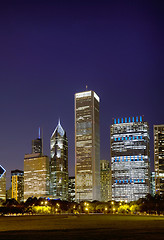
50	50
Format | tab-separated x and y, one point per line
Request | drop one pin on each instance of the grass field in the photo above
82	227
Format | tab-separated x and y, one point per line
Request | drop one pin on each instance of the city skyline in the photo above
50	52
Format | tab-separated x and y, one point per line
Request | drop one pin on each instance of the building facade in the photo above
106	181
130	159
59	164
36	176
87	146
159	158
71	189
2	183
17	183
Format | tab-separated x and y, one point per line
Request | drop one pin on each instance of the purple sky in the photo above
53	49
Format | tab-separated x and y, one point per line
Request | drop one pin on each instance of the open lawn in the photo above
82	227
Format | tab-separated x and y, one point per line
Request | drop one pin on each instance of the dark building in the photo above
159	158
59	164
71	189
130	159
37	145
87	146
17	183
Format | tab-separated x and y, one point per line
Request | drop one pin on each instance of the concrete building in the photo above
159	158
87	146
17	183
2	183
59	164
106	181
130	159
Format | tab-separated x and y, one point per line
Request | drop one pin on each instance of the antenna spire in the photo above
59	122
39	132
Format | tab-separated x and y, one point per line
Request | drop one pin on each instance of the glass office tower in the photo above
159	158
87	146
59	163
130	159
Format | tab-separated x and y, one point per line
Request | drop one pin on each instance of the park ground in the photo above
96	226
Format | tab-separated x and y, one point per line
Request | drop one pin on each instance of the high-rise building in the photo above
159	158
59	163
37	145
130	159
36	176
17	183
71	189
2	183
106	181
87	146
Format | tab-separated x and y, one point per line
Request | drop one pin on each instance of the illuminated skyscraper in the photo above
130	161
159	158
2	183
36	175
105	180
59	163
17	181
87	146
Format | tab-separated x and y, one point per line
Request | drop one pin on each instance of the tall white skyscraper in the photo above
87	146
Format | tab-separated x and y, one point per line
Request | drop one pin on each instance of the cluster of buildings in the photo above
126	177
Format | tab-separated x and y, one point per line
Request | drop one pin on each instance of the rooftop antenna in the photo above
59	122
86	87
39	133
42	141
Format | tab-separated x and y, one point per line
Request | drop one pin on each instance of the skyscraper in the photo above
159	158
59	163
2	183
130	161
106	181
36	175
37	145
87	146
17	180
